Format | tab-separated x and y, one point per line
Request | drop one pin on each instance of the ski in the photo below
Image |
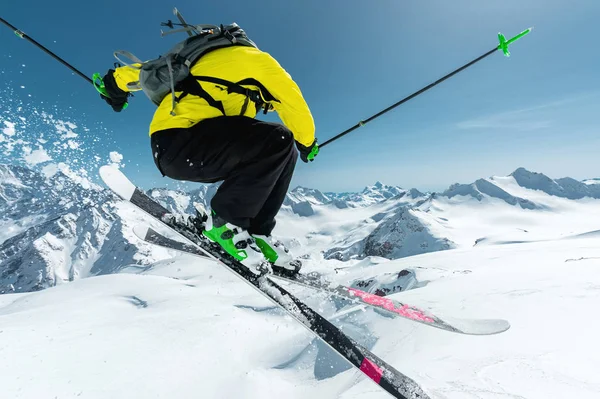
353	295
388	378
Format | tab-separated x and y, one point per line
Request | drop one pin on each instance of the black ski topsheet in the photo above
387	305
391	380
151	236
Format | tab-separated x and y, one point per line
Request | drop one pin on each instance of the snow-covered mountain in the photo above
400	235
183	202
53	230
522	206
371	195
391	222
565	187
302	200
56	230
486	188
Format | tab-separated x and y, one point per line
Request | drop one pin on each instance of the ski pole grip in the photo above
98	83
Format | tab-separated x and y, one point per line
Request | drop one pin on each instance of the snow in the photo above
186	327
9	128
164	359
33	134
64	128
547	302
115	157
49	170
34	157
592	181
78	176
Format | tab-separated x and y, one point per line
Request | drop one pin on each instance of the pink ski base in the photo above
404	310
371	370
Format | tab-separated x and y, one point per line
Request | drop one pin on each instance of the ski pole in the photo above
22	35
96	78
502	46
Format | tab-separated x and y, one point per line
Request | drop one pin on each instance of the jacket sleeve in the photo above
291	106
128	78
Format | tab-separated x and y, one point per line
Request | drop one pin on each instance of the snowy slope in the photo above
186	328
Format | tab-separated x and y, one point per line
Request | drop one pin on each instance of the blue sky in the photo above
537	109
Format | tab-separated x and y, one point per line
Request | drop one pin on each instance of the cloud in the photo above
504	122
524	119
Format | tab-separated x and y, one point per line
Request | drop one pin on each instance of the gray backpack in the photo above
171	71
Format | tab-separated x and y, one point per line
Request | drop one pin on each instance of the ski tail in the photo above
149	235
388	378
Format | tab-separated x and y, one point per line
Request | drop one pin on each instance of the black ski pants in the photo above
254	159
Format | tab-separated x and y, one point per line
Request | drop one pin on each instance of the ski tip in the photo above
141	231
117	181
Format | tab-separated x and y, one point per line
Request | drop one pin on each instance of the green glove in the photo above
308	154
116	98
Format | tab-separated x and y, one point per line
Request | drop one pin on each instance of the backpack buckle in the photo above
266	107
229	36
254	96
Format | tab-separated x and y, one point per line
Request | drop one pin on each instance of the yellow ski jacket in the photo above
233	64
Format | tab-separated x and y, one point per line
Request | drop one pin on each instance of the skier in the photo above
208	133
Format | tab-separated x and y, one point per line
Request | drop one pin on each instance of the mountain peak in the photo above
309	192
537	181
522	172
565	187
301	200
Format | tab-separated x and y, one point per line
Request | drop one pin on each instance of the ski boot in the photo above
237	242
278	255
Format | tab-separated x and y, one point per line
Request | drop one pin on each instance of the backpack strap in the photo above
129	57
191	86
251	95
266	94
260	97
172	84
